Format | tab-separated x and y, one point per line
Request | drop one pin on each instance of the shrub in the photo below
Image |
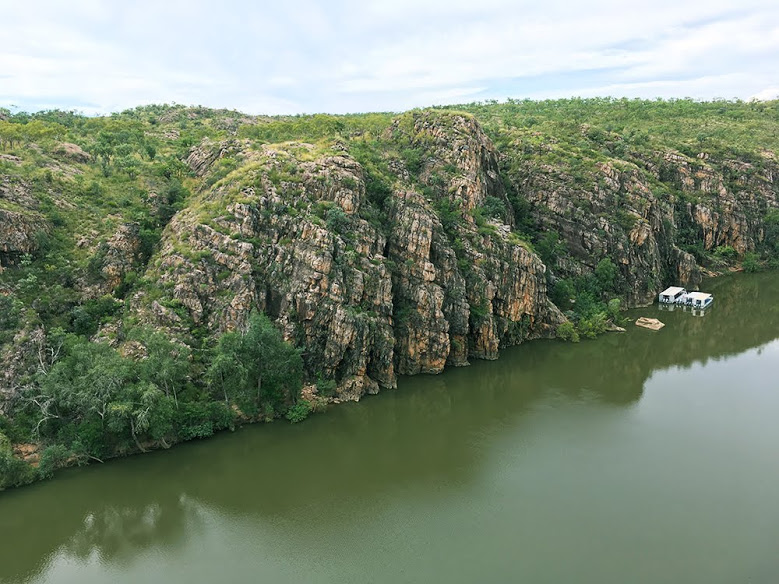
614	307
549	248
494	207
751	263
561	294
326	387
337	220
606	274
54	457
592	326
13	471
299	412
192	420
567	332
726	252
86	319
413	160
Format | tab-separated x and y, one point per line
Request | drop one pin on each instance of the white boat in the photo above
699	299
678	296
671	295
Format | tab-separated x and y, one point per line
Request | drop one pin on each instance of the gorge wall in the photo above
395	247
370	288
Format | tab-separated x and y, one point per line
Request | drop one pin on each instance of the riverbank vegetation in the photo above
89	402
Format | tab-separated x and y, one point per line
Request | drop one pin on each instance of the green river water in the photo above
643	457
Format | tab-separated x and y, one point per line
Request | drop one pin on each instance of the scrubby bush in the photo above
751	263
726	252
14	472
337	220
494	207
326	387
592	326
299	412
606	274
562	293
52	458
550	247
567	332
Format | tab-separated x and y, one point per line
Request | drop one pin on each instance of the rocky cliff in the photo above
21	228
289	232
656	214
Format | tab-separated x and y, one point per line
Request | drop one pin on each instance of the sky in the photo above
339	56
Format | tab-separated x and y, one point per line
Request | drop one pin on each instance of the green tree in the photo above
141	409
86	380
550	247
606	275
166	365
128	164
10	134
103	150
257	370
567	332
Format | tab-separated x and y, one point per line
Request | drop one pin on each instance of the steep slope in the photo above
286	233
647	212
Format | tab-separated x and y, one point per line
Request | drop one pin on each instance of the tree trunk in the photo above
132	431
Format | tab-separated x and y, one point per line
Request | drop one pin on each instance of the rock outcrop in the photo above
72	152
645	213
20	360
113	259
289	233
20	234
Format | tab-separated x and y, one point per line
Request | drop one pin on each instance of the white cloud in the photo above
707	87
353	55
767	94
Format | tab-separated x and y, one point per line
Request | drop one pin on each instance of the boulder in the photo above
650	323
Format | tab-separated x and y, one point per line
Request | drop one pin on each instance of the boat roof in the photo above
698	295
672	291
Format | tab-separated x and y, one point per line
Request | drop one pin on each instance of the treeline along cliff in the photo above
168	271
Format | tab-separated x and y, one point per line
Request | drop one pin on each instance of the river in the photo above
642	457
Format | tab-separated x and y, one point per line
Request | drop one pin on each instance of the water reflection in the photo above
314	477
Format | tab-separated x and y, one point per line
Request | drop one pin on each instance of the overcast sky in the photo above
291	56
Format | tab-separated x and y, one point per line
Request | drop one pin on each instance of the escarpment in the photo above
368	288
654	215
396	245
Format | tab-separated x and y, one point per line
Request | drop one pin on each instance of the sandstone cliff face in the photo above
726	204
287	233
19	235
21	227
474	287
643	212
113	259
389	249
